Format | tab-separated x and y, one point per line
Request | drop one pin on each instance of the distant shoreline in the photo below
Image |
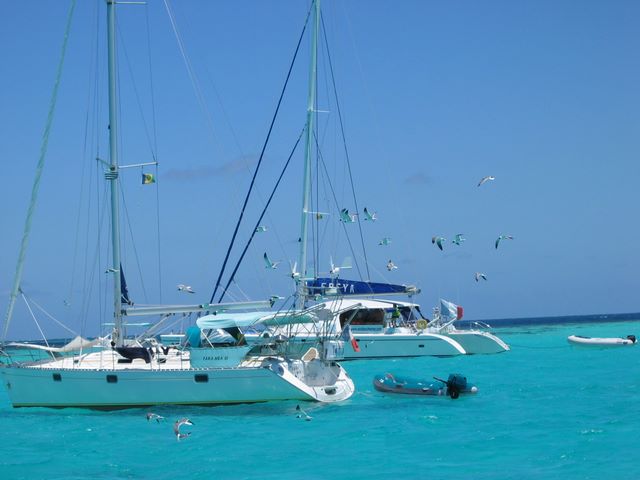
556	320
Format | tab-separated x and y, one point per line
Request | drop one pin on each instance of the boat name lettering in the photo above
220	357
345	287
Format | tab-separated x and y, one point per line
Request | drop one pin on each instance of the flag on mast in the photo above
148	178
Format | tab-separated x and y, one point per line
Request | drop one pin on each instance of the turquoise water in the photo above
544	410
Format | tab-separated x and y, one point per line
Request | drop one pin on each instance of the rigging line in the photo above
35	320
264	146
36	182
346	152
273	192
52	318
192	77
335	200
137	95
85	148
133	243
158	235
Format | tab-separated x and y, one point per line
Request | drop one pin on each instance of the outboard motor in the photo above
456	383
632	338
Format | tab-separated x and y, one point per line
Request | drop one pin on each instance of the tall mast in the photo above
306	179
112	174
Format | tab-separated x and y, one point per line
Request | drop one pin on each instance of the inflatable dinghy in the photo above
602	342
452	387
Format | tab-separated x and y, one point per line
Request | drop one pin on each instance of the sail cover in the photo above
338	286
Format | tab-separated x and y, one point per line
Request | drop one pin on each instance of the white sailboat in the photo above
142	372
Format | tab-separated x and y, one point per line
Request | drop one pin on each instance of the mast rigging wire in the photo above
264	146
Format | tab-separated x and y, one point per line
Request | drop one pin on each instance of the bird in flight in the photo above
503	237
385	241
370	216
486	179
268	263
302	414
347	217
261	229
176	428
185	288
459	239
391	265
436	240
154	416
480	275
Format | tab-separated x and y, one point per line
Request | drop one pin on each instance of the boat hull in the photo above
116	389
477	342
599	342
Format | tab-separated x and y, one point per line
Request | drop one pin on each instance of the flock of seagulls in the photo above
178	424
347	216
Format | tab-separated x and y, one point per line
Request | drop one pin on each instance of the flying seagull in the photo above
459	239
485	179
111	270
391	265
370	216
302	414
503	237
438	241
480	275
176	428
268	263
185	288
347	217
261	229
385	241
154	416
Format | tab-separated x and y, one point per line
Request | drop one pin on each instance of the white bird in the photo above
385	241
485	179
176	428
391	265
370	216
334	270
302	414
438	241
347	217
268	263
459	239
111	270
294	270
185	288
480	275
261	229
503	237
154	416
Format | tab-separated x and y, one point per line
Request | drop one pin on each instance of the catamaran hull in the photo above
396	345
475	342
105	389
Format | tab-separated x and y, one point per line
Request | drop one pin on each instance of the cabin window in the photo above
201	378
57	377
365	316
112	379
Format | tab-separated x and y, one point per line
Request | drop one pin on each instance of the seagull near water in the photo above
154	416
480	275
486	179
459	239
185	288
370	216
302	414
176	428
391	265
268	263
436	240
503	237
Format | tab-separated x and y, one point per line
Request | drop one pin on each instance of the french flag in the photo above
352	339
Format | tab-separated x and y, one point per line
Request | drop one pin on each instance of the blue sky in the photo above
434	95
